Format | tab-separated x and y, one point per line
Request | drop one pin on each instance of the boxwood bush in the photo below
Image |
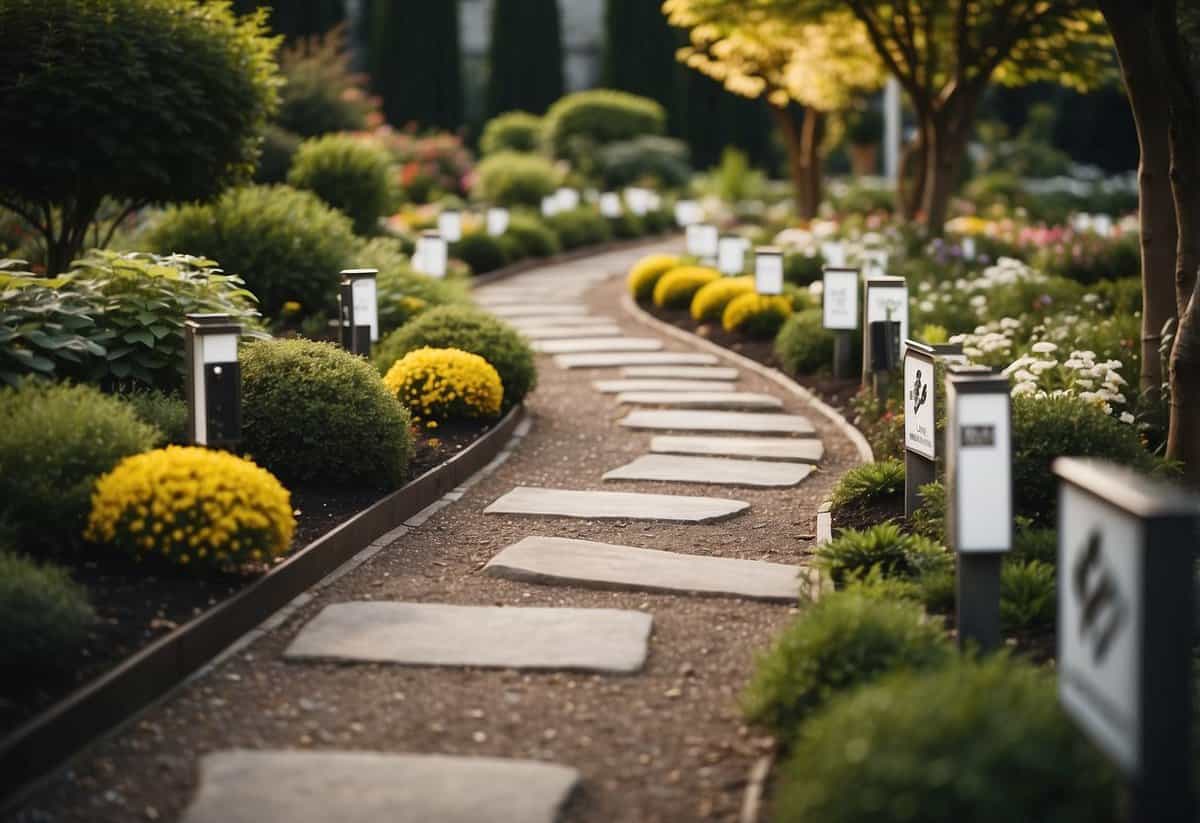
44	616
844	640
578	123
580	227
528	236
979	741
286	244
471	330
663	160
166	412
804	345
57	439
275	156
315	415
511	179
517	131
348	173
481	251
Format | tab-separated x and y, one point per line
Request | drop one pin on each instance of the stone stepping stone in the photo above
605	360
617	386
598	344
605	566
597	505
569	332
240	786
559	321
682	372
721	471
538	309
433	634
800	450
701	400
718	421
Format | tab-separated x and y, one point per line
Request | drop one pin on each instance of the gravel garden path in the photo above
566	635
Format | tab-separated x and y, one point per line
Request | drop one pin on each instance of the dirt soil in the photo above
667	744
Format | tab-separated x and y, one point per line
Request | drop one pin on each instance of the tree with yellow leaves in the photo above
803	70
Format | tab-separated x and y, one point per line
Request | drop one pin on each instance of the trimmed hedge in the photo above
579	122
511	179
349	174
517	131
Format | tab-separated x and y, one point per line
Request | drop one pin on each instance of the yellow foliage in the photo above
645	274
710	301
674	289
756	315
192	506
445	384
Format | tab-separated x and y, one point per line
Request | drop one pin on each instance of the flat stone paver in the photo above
649	384
722	471
599	505
604	360
560	321
718	421
570	332
682	372
288	786
605	566
701	400
432	634
538	309
800	450
598	344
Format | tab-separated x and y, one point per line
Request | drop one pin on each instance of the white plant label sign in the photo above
366	313
920	389
1101	551
449	224
688	212
840	299
731	255
768	273
567	199
497	221
610	204
982	471
888	302
430	256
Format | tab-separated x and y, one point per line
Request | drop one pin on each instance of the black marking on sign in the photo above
1102	609
919	392
977	435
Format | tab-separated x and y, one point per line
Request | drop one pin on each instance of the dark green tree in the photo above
525	58
639	50
414	62
297	18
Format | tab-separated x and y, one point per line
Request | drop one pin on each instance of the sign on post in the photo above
979	519
430	256
688	213
920	416
497	221
874	263
449	224
768	270
610	205
731	254
839	302
1126	607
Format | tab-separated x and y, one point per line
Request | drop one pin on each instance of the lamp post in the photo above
449	225
213	382
497	221
885	325
839	302
431	254
731	254
359	310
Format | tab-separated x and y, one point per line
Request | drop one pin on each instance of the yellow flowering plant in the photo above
645	274
675	289
192	506
756	315
709	302
445	384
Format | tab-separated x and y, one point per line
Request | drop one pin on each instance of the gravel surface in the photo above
667	744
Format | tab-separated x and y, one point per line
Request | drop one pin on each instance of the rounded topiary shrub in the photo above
314	414
756	315
511	179
528	236
192	506
664	161
1048	427
402	292
979	741
44	614
627	226
472	330
708	304
675	289
482	252
286	244
583	226
517	131
843	640
646	272
579	122
275	157
803	344
802	269
445	384
348	173
55	441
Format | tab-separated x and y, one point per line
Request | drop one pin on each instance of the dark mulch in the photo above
860	515
135	608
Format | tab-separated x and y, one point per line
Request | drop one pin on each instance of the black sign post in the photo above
1126	626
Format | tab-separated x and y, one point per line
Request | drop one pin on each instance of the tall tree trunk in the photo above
812	132
1138	54
910	188
948	132
794	123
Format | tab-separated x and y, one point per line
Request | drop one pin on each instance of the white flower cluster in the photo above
1041	374
990	344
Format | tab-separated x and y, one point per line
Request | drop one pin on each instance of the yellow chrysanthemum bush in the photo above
192	506
445	384
709	302
675	289
645	274
757	315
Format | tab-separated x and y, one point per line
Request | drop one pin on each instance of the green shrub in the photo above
627	226
529	237
313	414
979	741
471	330
115	319
275	156
938	590
1050	427
44	615
802	269
517	131
1028	596
869	483
55	441
661	162
321	93
348	173
481	251
401	292
804	345
580	227
1030	543
929	520
854	553
166	412
579	123
511	179
286	244
844	640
